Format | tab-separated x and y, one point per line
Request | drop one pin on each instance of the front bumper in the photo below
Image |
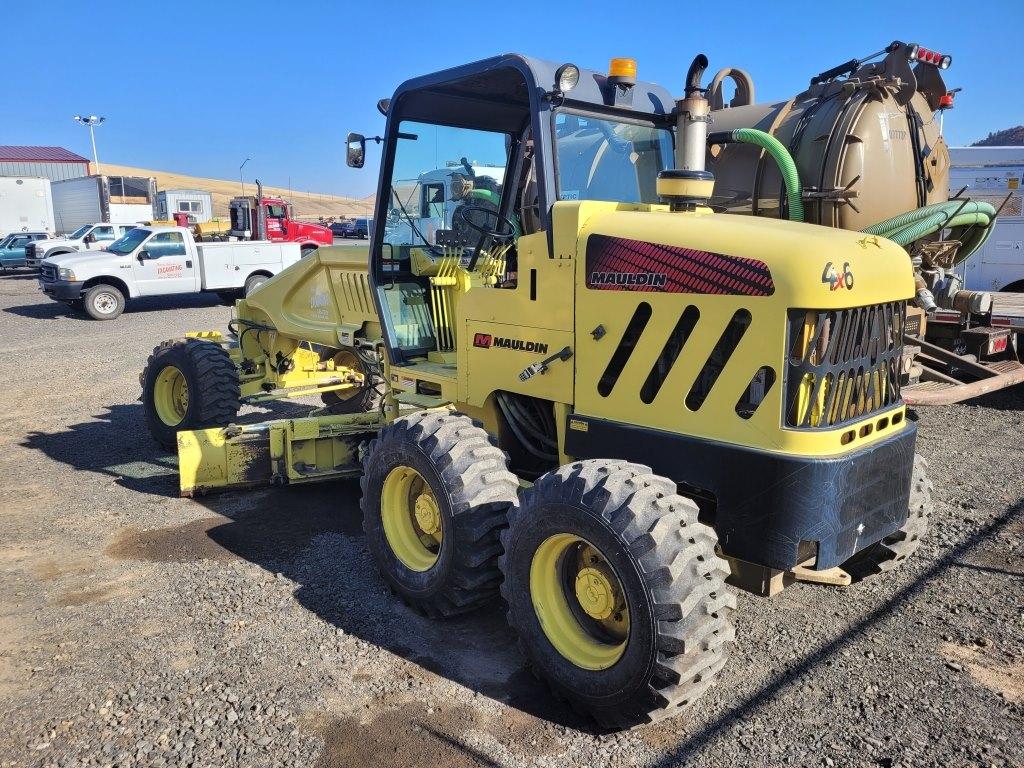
61	290
772	509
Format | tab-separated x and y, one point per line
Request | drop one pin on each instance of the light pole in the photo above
240	174
92	121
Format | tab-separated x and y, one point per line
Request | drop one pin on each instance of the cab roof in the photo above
512	83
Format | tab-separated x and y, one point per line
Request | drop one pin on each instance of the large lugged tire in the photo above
436	493
616	592
364	399
188	384
892	551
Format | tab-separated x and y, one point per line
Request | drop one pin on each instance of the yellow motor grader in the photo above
602	398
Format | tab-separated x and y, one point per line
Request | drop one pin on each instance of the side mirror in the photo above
90	238
142	256
355	154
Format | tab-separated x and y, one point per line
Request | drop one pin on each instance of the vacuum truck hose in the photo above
781	156
976	216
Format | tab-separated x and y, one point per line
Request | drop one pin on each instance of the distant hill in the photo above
1010	137
308	205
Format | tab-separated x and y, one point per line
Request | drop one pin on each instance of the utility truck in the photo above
26	205
692	399
87	237
160	261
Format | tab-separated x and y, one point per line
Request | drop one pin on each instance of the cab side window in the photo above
103	234
166	244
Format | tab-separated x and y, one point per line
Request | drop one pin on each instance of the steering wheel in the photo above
488	233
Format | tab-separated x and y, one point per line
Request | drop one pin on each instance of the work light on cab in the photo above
567	77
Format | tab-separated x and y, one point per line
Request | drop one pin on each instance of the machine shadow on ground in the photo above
312	536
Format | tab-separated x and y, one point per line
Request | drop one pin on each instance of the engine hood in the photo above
86	258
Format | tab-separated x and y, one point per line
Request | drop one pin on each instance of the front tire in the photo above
435	495
103	302
188	384
616	592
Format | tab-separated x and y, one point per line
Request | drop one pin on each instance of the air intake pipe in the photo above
688	184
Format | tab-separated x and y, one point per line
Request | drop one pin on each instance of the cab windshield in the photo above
438	170
606	159
80	232
128	242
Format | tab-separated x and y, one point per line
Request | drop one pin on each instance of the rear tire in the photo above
103	302
599	544
435	494
892	551
188	384
252	283
365	399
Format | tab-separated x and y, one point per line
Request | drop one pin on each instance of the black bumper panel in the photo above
61	290
768	503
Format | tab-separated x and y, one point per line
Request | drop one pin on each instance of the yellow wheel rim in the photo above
350	361
411	518
170	396
579	601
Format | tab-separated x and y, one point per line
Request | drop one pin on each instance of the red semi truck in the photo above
273	219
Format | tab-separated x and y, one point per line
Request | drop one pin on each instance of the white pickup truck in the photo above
87	237
160	261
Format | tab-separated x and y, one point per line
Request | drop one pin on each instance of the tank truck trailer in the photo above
606	403
861	148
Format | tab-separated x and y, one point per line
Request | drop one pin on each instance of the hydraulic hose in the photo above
781	156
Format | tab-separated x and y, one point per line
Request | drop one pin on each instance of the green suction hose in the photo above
921	222
781	156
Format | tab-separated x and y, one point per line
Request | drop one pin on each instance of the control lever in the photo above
543	365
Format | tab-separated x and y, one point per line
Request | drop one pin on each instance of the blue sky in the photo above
197	88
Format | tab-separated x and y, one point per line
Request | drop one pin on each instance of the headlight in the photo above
66	274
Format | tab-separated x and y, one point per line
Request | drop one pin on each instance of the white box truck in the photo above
996	175
26	205
160	261
88	199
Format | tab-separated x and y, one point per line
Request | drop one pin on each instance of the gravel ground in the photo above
138	628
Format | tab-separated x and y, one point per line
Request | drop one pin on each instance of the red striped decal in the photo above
618	264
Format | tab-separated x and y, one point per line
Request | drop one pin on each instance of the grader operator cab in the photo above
683	398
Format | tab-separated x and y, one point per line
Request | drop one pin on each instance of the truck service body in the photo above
160	261
995	174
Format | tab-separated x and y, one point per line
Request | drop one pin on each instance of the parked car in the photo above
342	228
363	227
12	248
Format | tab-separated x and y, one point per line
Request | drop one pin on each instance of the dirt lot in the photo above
138	628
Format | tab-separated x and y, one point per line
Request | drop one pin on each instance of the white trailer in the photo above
160	261
26	205
197	203
88	199
996	175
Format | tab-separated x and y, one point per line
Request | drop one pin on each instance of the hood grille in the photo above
844	364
